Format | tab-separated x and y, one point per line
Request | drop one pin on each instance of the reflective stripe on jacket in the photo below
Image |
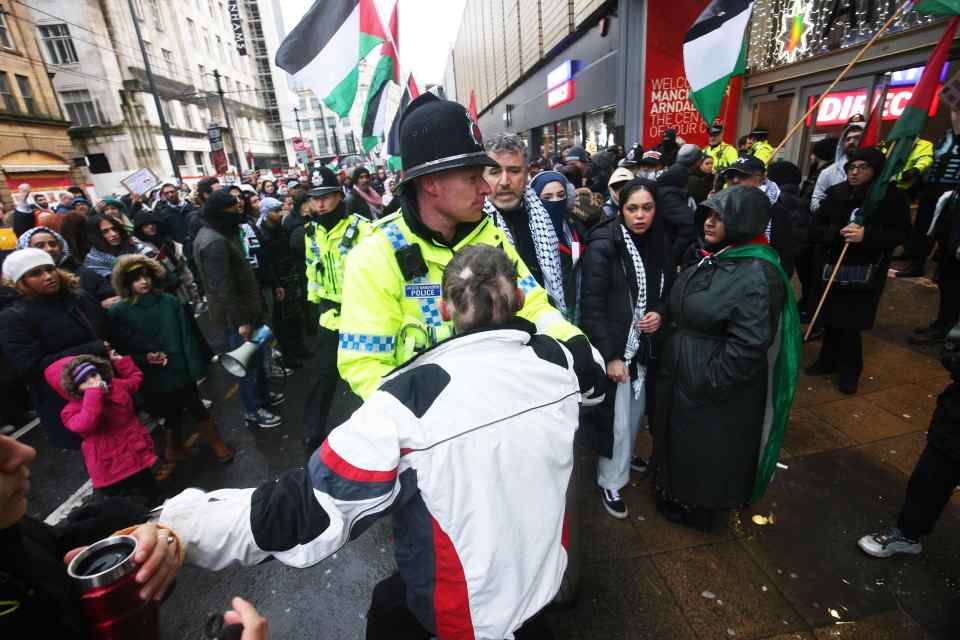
385	319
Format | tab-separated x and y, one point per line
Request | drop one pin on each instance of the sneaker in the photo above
887	543
638	464
263	419
931	337
276	371
613	503
275	399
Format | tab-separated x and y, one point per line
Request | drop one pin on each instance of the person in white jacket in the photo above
836	173
451	445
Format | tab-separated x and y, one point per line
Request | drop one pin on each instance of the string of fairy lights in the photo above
787	31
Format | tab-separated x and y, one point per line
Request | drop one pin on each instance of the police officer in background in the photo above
723	154
759	147
329	235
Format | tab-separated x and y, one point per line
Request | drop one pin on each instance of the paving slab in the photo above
626	600
901	452
806	434
721	590
864	421
908	401
892	625
823	504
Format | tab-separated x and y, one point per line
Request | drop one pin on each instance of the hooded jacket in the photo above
675	209
834	173
233	294
90	282
115	444
723	320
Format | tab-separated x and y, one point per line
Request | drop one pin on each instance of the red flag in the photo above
871	134
412	87
472	107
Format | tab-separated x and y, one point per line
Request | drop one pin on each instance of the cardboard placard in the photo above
140	181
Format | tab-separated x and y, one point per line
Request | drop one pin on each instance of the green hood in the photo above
745	212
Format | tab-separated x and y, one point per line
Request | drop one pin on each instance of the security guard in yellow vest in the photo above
391	286
723	154
329	235
759	147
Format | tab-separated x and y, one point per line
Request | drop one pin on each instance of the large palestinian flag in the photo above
715	50
374	119
324	50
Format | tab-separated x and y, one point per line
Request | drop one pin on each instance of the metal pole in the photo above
296	114
226	118
156	97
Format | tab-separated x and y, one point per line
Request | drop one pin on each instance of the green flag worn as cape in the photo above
786	371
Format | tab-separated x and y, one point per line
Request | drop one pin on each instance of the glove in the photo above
590	369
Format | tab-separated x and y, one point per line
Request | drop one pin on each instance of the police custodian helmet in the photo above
436	135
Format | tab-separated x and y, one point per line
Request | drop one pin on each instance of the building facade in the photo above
788	69
35	146
99	74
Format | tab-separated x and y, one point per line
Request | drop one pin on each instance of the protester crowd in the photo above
659	280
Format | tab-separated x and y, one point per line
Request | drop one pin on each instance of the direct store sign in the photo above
837	108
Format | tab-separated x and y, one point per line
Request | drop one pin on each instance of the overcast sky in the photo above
427	31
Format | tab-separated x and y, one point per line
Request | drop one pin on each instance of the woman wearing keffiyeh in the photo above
626	276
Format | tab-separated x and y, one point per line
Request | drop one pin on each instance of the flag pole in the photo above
836	268
816	105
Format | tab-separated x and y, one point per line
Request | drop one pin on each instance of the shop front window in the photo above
774	116
548	143
569	134
600	127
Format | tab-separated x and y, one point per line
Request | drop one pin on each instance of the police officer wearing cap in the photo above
391	288
723	154
330	233
759	147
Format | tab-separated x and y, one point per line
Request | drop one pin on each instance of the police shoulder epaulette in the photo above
380	222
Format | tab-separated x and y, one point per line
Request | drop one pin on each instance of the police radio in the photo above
410	260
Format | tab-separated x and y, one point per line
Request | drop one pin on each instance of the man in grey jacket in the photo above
836	173
233	296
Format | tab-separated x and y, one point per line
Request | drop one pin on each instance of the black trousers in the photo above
843	349
918	243
141	488
948	313
389	618
327	377
931	484
170	405
806	267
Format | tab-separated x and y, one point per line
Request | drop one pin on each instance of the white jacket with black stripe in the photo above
469	446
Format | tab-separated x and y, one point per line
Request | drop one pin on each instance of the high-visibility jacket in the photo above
762	150
387	319
920	158
325	253
723	156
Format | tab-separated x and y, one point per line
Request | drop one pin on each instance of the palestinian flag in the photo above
938	7
324	50
871	134
374	119
909	125
410	92
715	50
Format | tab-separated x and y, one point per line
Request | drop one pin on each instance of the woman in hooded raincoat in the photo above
716	407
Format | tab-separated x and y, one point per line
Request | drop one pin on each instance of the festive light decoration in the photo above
788	31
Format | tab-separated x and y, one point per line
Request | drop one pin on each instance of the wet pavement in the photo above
793	572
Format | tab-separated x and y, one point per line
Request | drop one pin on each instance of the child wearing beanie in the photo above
117	449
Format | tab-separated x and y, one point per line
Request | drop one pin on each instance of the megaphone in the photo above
236	362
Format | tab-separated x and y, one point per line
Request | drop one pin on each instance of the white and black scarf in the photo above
545	242
639	310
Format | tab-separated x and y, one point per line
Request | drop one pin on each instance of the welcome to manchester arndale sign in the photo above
787	31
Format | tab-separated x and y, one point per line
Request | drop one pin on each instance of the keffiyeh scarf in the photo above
545	242
639	310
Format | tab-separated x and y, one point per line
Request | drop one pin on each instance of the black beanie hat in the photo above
872	156
216	203
783	172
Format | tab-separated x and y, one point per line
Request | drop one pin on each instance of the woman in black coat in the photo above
53	318
854	298
626	274
721	333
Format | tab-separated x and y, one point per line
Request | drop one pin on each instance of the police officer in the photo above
329	235
391	287
759	147
723	154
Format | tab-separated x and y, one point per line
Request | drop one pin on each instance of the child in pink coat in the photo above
117	449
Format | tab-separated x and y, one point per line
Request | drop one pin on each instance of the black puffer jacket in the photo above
36	333
723	316
886	228
673	208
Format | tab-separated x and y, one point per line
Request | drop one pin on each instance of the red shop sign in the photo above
837	108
